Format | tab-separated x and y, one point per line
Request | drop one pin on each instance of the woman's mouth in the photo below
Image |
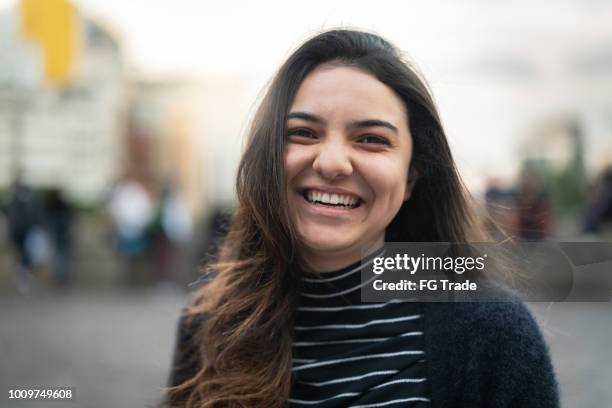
332	200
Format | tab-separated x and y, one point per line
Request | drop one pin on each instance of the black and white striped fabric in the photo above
352	354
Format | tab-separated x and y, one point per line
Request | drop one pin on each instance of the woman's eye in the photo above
305	133
371	139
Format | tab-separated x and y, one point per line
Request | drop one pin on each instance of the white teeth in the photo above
333	199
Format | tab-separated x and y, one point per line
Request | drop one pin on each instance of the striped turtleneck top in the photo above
352	354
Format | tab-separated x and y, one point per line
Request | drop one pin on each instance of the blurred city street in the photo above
115	347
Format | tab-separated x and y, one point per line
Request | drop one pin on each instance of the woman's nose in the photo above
333	160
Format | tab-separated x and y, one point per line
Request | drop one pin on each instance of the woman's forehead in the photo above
347	92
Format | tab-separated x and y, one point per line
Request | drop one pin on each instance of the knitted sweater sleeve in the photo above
495	358
515	367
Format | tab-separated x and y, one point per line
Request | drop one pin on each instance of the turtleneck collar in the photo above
337	287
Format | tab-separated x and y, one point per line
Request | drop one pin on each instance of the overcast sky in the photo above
194	36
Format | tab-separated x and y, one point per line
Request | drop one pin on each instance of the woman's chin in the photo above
326	245
337	241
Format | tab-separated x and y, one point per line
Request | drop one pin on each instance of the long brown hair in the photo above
245	339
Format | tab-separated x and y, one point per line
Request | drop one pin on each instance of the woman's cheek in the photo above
296	160
385	178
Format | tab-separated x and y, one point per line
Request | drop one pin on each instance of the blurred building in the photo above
83	129
59	128
163	146
188	131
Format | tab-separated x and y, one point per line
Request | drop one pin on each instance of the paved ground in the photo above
114	347
580	339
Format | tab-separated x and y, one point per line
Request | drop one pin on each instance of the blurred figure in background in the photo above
59	217
214	230
170	229
499	201
599	208
131	210
24	224
533	207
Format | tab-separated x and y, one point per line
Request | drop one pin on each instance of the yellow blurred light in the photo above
53	25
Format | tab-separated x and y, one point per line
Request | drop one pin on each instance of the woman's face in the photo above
347	159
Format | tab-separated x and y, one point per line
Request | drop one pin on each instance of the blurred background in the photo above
122	123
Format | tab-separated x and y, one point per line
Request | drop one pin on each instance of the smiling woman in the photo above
346	152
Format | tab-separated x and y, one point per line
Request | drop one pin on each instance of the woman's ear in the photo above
413	176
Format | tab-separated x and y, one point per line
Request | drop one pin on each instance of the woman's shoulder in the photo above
492	349
500	330
484	321
507	314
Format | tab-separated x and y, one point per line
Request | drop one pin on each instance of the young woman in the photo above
347	151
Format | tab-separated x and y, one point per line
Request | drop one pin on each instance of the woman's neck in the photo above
334	260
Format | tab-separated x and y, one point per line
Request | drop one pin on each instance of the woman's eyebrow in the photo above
305	116
372	123
356	124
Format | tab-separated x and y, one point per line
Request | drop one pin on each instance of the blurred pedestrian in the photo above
59	216
131	210
533	207
24	223
500	207
170	230
599	208
214	230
